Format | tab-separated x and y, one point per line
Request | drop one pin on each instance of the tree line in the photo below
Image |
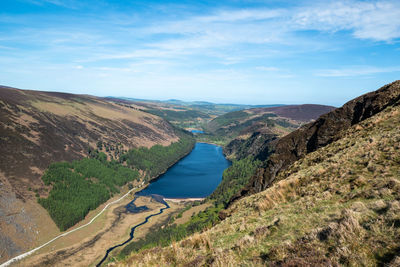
234	178
157	159
80	186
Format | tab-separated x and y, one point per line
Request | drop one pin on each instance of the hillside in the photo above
306	112
184	114
281	153
251	128
39	128
176	112
339	204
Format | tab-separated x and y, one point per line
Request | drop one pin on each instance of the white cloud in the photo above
375	20
224	49
73	4
214	33
355	71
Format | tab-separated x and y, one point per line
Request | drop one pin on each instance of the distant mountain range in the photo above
191	103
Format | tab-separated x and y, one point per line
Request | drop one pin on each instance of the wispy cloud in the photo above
356	71
222	46
73	4
222	29
375	20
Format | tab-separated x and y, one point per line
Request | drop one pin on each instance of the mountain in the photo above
334	198
257	125
183	114
306	112
325	130
39	128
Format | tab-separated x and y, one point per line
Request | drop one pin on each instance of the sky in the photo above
246	52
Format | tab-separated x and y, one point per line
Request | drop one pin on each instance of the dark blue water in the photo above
196	131
195	176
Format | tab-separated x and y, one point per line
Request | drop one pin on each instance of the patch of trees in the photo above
113	150
81	186
157	159
233	179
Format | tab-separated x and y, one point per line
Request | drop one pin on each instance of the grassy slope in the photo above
272	121
38	128
338	205
180	113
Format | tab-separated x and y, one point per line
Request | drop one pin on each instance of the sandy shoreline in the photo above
184	199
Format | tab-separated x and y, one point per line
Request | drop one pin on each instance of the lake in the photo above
195	176
197	131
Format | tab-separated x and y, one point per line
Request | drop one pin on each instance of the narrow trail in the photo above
131	235
26	254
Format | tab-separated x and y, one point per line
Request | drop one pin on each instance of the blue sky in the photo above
250	52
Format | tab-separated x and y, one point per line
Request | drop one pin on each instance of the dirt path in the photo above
26	254
88	247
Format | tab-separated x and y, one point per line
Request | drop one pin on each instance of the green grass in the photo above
81	186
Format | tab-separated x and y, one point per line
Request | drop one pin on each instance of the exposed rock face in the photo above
257	145
325	130
252	130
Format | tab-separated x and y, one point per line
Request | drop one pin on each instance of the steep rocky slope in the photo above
37	128
337	205
247	131
325	130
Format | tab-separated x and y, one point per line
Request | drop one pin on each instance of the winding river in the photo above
132	233
195	176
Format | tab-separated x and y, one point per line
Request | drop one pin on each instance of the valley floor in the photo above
87	246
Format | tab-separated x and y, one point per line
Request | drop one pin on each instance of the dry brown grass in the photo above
339	205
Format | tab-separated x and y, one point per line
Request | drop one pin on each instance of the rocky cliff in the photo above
326	129
249	131
336	206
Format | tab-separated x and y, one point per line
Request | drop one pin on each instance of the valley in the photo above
199	133
269	148
87	246
331	200
41	129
